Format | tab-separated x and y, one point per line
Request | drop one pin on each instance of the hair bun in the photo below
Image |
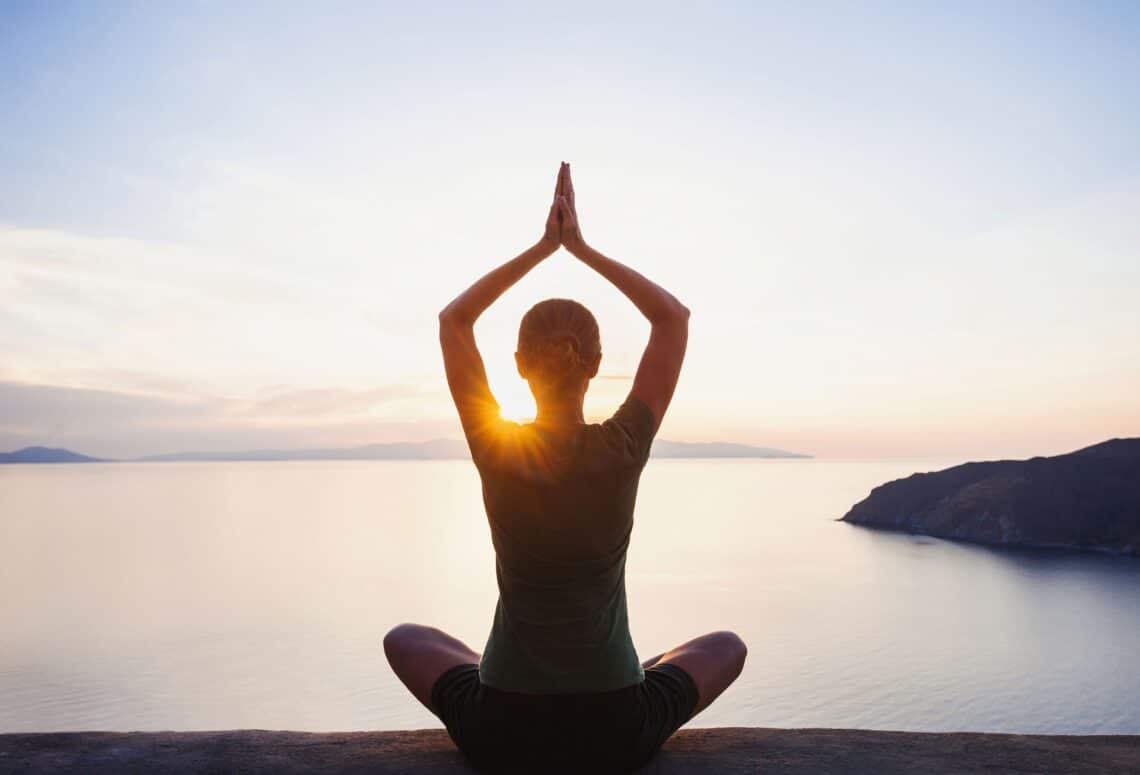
560	354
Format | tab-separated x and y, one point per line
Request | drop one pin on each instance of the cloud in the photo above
118	424
326	402
232	321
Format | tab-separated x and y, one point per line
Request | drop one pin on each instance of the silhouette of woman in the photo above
559	685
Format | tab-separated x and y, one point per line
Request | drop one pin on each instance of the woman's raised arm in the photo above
466	376
660	365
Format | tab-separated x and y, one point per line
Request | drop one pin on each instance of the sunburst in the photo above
513	394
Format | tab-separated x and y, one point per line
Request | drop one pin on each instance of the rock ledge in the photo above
718	750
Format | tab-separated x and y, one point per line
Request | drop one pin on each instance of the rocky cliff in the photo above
1088	499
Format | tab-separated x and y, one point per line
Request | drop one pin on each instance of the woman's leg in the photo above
419	655
713	661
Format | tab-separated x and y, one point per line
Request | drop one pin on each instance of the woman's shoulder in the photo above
630	431
496	442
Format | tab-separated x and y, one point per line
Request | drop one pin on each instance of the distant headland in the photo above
436	449
47	455
1088	499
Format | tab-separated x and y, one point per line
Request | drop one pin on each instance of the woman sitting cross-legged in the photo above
559	686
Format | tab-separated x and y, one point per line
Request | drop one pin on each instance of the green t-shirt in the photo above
560	507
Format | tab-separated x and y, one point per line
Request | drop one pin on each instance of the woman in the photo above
559	684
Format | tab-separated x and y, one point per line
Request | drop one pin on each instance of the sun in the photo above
511	391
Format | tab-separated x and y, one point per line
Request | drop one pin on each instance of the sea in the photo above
199	596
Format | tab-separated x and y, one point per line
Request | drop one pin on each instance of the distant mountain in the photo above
436	449
46	455
1088	499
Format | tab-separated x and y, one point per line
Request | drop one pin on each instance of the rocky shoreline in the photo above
1087	500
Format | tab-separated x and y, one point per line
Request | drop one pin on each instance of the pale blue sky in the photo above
904	228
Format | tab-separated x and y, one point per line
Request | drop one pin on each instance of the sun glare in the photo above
511	391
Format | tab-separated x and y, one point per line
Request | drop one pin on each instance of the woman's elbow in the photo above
453	320
679	313
673	318
450	315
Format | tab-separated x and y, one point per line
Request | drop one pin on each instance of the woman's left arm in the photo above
466	376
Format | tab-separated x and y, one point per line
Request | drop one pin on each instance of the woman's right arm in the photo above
660	365
462	363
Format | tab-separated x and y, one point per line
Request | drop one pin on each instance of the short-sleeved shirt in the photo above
560	507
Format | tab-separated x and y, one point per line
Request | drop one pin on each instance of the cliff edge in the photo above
1088	499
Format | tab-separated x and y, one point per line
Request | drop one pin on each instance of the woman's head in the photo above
559	349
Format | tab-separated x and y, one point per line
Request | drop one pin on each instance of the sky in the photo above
903	229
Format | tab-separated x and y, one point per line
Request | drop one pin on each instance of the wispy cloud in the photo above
117	424
312	404
95	304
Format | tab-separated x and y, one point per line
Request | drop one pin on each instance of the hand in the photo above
571	233
552	236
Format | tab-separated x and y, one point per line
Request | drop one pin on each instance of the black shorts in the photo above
597	732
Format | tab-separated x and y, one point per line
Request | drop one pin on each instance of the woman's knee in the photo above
401	637
730	647
734	642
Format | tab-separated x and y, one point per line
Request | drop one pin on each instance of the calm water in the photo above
210	596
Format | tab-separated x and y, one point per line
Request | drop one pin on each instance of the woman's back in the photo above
560	506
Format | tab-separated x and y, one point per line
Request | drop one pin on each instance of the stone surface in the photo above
1089	499
723	750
